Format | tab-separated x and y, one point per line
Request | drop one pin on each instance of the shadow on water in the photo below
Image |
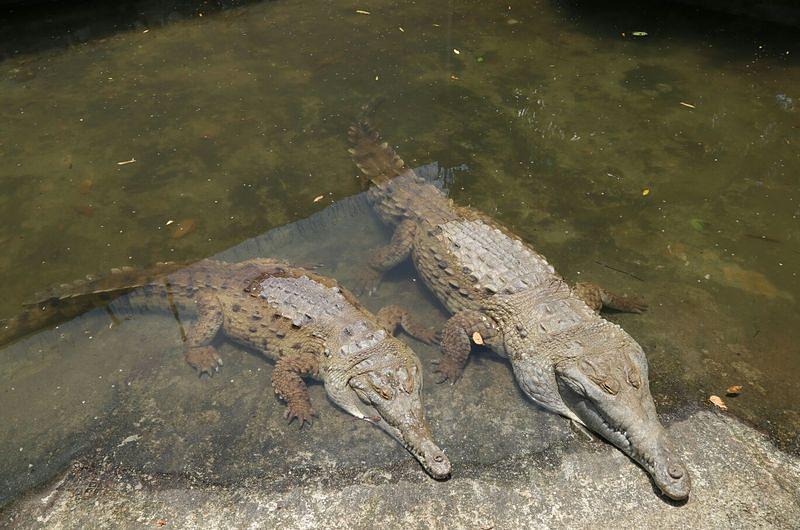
36	26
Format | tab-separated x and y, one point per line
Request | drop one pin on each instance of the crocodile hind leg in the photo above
459	332
199	352
598	298
287	381
392	316
388	257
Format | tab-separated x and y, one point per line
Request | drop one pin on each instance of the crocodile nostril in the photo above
675	471
438	458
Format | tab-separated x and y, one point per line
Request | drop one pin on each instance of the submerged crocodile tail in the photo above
67	301
376	160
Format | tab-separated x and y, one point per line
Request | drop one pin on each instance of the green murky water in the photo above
665	165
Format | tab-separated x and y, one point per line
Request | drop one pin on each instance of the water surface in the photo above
663	165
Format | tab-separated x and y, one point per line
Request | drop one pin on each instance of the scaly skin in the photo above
503	293
306	324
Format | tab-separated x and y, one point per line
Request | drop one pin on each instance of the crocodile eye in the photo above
632	377
385	393
607	383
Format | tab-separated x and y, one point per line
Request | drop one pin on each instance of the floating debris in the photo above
363	12
785	102
717	401
733	391
688	105
645	192
126	162
456	51
318	198
639	33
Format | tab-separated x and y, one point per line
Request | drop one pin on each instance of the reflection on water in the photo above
663	165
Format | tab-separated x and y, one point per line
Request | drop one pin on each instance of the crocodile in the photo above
504	294
304	322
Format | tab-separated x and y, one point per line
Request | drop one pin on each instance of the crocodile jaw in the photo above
390	389
626	418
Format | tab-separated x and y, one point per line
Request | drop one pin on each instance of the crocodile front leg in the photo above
459	331
199	352
392	316
598	298
287	381
388	257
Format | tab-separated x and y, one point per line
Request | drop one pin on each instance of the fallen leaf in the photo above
717	401
184	228
750	281
318	198
477	339
456	51
734	390
645	192
85	210
687	105
697	224
85	186
169	222
362	12
639	33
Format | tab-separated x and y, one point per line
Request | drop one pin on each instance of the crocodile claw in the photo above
204	359
303	413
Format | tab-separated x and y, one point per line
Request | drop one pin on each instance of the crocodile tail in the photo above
376	160
67	301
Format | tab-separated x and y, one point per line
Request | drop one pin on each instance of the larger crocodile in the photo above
503	293
306	323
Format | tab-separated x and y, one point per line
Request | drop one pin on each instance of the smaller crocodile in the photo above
305	322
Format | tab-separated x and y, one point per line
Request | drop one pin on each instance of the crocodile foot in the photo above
367	282
204	359
448	370
302	411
